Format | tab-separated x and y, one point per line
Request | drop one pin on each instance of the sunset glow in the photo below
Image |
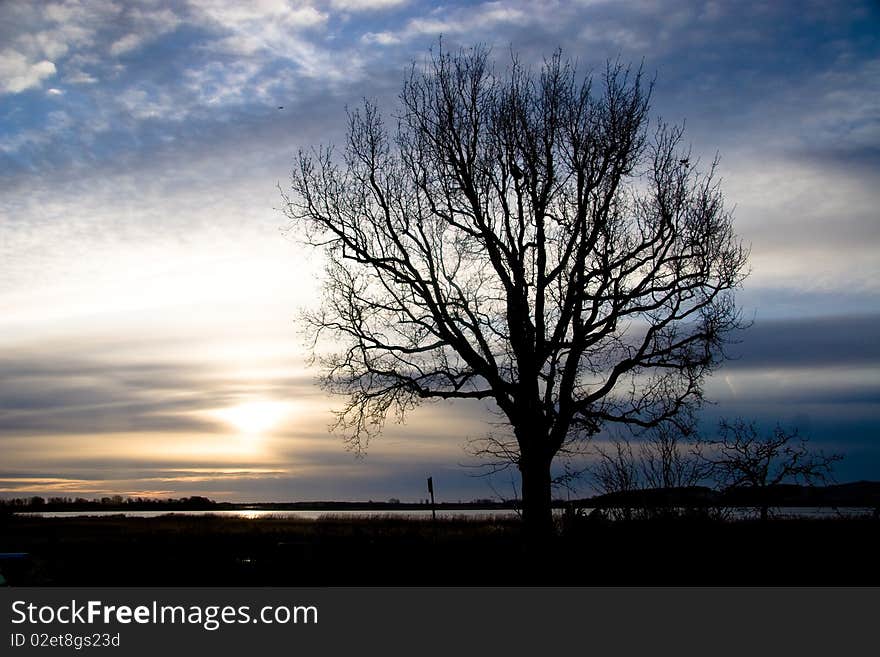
254	418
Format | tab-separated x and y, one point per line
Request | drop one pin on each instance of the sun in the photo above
254	418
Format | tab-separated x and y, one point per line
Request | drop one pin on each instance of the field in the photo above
214	551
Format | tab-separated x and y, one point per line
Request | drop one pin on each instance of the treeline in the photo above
196	503
112	503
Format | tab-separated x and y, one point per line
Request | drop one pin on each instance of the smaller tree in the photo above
669	459
666	458
742	457
616	469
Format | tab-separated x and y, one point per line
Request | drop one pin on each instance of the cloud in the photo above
843	123
97	423
83	389
153	103
42	36
135	482
367	5
126	44
820	374
810	224
145	25
267	21
381	38
80	78
787	302
220	84
267	37
17	73
842	341
455	21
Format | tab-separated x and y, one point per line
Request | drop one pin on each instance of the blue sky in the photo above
147	291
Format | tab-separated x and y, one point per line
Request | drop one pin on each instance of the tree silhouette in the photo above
741	457
667	457
521	238
617	471
670	458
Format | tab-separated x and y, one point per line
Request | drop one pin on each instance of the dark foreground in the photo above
214	551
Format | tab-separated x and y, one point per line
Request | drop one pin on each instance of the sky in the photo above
149	290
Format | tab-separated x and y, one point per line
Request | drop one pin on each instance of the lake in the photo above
475	514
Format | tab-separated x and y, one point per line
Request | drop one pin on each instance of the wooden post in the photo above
431	491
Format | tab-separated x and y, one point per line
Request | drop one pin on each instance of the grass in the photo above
384	551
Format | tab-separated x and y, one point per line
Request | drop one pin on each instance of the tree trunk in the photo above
536	498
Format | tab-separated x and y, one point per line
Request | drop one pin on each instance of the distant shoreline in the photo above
862	494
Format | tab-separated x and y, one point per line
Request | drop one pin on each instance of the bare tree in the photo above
669	459
520	238
616	471
666	457
742	457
